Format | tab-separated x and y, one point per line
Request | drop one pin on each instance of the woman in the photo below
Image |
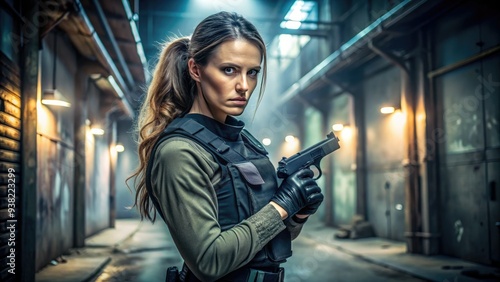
207	177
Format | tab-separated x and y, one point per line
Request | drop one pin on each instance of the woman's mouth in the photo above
240	101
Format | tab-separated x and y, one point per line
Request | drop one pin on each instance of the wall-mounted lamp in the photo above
337	127
266	141
119	148
290	138
387	110
97	131
52	97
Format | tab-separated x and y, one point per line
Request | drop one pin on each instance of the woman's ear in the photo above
194	70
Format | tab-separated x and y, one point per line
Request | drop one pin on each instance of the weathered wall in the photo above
126	164
344	177
468	107
384	154
55	155
97	171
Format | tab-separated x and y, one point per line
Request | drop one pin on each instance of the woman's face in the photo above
227	81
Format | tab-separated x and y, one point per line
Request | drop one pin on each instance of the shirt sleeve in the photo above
293	227
182	179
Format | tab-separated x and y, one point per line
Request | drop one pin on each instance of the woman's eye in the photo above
229	70
253	72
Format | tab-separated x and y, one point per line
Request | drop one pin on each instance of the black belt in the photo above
275	274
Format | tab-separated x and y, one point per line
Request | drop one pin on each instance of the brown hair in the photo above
172	90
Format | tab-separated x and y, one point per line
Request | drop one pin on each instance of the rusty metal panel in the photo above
464	212
55	200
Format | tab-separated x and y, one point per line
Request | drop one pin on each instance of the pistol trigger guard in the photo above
319	175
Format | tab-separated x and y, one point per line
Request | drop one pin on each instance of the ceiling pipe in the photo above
87	24
363	37
137	38
112	39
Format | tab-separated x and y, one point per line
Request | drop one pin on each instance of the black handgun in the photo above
308	157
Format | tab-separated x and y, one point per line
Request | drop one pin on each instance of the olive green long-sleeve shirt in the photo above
183	178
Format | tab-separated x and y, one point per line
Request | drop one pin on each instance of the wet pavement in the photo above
143	257
141	252
313	261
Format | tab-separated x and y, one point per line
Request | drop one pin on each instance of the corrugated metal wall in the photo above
10	136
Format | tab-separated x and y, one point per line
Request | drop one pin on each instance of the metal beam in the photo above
102	52
352	45
116	48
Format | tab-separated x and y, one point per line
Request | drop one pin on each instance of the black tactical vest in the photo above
247	184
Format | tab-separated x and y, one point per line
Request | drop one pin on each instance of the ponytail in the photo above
170	94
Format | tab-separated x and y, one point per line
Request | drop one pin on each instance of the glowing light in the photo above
346	133
290	24
58	103
290	139
97	131
387	110
52	97
119	148
337	127
266	141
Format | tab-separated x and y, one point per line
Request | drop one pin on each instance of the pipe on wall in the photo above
411	161
370	32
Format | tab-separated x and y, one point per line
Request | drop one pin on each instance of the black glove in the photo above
296	191
315	201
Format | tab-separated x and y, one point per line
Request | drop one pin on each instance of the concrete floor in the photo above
145	256
140	251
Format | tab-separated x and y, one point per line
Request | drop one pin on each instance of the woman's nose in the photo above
242	85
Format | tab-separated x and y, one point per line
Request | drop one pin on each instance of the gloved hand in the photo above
297	191
315	201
